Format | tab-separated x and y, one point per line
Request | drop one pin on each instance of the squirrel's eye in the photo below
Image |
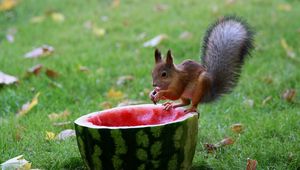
164	74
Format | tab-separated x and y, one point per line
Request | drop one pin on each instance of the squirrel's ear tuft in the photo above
169	59
157	56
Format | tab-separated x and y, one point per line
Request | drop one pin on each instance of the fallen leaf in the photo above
83	69
45	50
129	102
210	148
161	7
249	103
65	134
115	3
57	17
37	19
56	116
266	100
237	128
51	73
7	79
289	51
35	69
105	105
124	80
55	84
251	164
268	79
28	106
155	41
18	163
289	95
230	2
6	5
215	9
50	135
284	7
114	94
62	123
99	32
224	142
185	35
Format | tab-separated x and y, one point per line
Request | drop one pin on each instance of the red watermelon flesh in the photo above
136	116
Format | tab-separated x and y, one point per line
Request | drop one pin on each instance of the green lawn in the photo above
272	130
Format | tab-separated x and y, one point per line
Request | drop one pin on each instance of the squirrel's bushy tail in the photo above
226	44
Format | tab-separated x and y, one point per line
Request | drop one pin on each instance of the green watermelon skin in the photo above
166	147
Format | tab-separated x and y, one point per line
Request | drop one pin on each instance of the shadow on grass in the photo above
74	163
202	166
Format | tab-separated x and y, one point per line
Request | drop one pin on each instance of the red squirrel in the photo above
226	44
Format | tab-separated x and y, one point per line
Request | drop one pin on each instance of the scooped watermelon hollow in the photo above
137	137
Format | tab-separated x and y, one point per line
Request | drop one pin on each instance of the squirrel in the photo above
226	44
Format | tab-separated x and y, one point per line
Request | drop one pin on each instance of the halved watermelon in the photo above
137	137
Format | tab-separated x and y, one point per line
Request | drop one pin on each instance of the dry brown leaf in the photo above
114	94
122	80
6	5
83	69
289	95
51	73
7	79
65	134
18	163
230	2
50	135
115	3
43	51
28	106
237	128
185	35
284	7
251	164
289	51
155	41
266	100
62	123
56	116
161	7
212	147
225	142
268	79
35	69
105	105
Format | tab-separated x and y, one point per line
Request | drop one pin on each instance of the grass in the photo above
272	131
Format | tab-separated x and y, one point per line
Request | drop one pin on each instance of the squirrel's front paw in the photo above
168	105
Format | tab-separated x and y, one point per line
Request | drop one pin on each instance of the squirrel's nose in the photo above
154	84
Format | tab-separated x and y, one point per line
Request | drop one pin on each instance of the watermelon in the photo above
137	137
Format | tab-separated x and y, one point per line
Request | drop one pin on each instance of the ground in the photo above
271	132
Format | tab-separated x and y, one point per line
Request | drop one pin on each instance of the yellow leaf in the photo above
55	116
29	105
37	19
284	7
251	164
289	51
114	94
50	135
115	3
6	5
99	32
57	17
